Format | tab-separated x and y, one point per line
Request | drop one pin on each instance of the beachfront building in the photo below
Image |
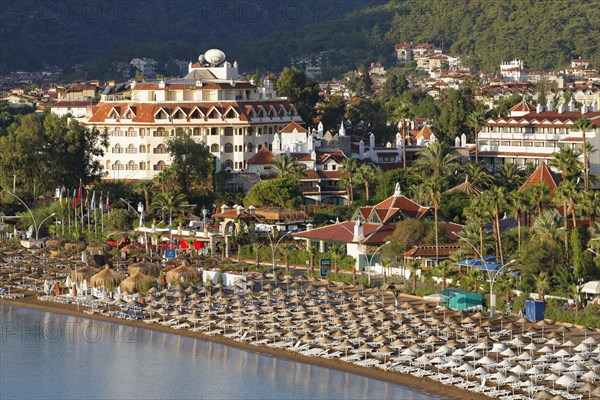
369	228
531	134
233	117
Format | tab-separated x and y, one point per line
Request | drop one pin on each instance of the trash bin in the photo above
534	310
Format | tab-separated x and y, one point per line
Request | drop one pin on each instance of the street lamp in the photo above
370	260
271	237
140	214
37	230
35	225
491	275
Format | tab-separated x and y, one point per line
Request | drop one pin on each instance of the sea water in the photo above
53	356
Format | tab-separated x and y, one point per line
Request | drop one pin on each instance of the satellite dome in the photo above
214	57
201	58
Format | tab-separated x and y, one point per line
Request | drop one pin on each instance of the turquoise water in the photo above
51	356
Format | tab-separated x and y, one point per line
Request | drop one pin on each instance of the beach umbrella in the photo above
345	345
590	376
517	370
566	381
543	395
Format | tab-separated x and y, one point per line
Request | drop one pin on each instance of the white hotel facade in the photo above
532	134
234	118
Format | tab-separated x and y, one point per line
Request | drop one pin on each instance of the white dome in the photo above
214	57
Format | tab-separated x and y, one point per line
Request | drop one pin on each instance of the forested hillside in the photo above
266	34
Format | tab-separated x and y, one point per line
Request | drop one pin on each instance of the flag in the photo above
100	204
107	198
87	198
93	202
60	197
73	205
79	192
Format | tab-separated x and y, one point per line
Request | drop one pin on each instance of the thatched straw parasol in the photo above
96	248
135	282
54	244
146	268
83	273
106	278
74	246
183	271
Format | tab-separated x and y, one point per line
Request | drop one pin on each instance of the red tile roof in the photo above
523	106
262	157
343	232
541	174
289	128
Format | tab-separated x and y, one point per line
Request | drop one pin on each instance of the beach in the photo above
422	384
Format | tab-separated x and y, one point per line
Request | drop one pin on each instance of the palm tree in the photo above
567	161
286	252
434	187
477	214
504	286
478	175
285	167
495	201
348	167
365	175
470	281
403	113
442	270
584	125
310	252
337	253
542	284
414	267
256	248
589	205
564	196
539	196
172	202
438	161
476	120
546	225
519	205
510	176
144	188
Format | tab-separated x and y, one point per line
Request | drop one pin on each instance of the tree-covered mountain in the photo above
266	34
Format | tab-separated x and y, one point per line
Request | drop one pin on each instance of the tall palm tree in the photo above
504	286
542	284
311	253
348	168
539	196
171	202
285	167
442	270
564	196
495	201
434	187
477	214
476	120
589	206
144	188
438	161
337	252
584	125
403	112
546	225
567	161
519	205
414	267
478	175
509	176
365	175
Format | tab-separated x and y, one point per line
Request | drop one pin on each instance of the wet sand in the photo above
424	384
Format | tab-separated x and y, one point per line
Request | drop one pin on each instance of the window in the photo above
228	164
160	132
228	131
228	148
117	148
159	166
117	166
130	132
196	132
214	148
213	131
131	149
142	165
249	147
160	149
131	166
142	148
142	131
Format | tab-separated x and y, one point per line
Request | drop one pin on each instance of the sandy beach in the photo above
422	384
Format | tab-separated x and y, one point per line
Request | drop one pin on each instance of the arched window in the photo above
117	132
228	148
228	164
270	130
142	148
130	132
117	165
161	165
160	132
117	148
228	131
142	131
214	148
249	147
160	149
131	166
142	165
131	149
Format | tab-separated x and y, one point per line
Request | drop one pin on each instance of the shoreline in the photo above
423	385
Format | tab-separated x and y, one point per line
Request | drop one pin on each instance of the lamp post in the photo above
140	214
37	230
370	260
35	225
491	275
271	237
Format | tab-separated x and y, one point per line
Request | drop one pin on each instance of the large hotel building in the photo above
234	118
